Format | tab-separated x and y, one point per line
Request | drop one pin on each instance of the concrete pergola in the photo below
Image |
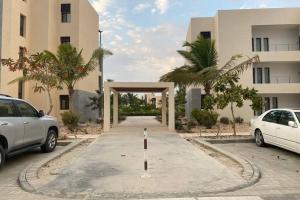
139	87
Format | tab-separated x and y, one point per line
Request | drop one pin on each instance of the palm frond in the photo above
231	67
50	55
182	76
22	78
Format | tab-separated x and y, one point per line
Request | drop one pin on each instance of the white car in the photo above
22	128
279	127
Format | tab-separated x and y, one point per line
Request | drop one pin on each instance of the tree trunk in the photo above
50	101
207	90
71	93
233	119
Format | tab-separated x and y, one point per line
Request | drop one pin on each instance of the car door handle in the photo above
26	122
4	124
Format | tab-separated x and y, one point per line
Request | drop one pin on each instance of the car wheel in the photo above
259	138
51	141
2	157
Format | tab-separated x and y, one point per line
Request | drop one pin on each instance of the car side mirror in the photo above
41	113
292	124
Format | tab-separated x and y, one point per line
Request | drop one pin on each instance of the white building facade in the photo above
273	35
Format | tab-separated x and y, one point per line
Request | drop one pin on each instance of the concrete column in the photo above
106	122
171	109
116	109
164	108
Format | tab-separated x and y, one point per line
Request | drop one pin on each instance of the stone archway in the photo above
136	87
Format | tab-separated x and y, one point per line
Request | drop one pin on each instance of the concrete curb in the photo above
229	140
28	178
251	173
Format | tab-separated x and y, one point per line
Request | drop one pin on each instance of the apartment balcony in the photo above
276	77
278	56
278	88
276	42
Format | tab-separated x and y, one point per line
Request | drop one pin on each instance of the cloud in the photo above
101	5
142	7
248	4
162	5
141	53
147	53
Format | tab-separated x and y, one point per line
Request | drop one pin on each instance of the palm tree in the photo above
201	68
70	67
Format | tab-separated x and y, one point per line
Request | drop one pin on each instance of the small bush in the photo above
239	120
70	120
205	118
191	124
224	120
178	125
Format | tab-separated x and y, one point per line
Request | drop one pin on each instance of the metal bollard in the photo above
145	175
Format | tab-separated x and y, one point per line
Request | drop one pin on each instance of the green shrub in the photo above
191	124
205	118
239	120
70	120
178	125
224	120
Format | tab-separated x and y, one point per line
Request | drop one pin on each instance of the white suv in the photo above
22	128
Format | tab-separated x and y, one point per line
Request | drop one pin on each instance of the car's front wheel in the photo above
2	157
51	142
259	138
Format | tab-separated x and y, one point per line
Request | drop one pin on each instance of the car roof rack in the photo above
5	95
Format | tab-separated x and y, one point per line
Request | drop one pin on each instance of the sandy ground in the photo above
50	171
92	130
221	130
224	160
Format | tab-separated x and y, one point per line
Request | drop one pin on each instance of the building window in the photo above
22	51
252	44
65	13
258	44
254	75
20	89
206	34
266	44
267	74
64	102
100	83
259	75
64	40
202	101
267	103
275	102
22	25
258	112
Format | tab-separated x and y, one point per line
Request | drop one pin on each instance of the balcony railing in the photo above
285	47
285	79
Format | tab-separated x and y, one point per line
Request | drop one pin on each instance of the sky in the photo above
144	35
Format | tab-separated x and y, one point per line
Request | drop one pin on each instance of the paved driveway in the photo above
9	188
112	167
280	171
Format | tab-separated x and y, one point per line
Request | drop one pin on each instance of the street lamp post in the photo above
102	74
101	64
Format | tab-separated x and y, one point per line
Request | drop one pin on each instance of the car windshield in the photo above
298	116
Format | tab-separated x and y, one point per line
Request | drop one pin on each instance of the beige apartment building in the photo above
154	99
37	25
273	34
